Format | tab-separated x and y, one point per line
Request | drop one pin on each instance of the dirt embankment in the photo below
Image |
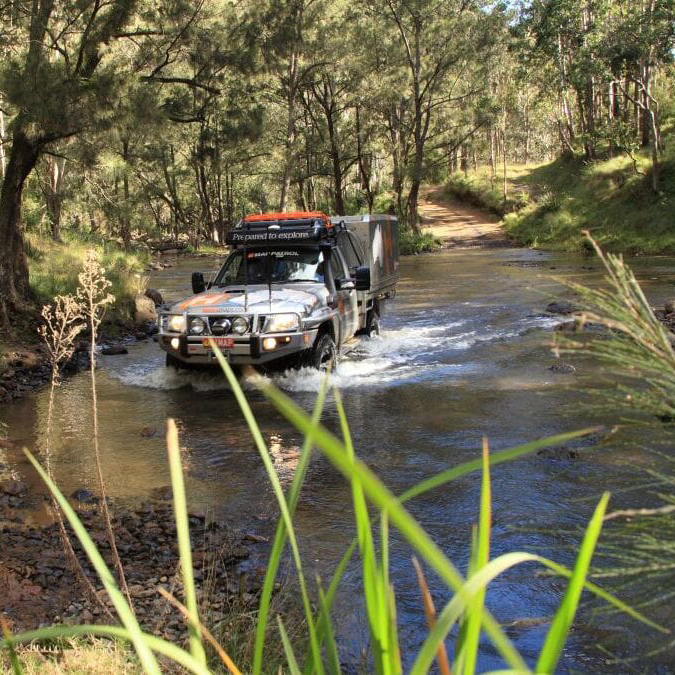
459	225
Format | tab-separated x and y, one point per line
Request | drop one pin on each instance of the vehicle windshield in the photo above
278	266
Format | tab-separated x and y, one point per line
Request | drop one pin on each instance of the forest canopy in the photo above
132	121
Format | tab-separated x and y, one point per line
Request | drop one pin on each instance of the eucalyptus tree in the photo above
431	44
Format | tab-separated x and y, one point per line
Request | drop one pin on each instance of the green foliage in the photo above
411	243
554	202
54	268
478	189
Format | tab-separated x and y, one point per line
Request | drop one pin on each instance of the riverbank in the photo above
548	205
40	587
54	269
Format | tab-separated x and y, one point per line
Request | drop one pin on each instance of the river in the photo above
463	353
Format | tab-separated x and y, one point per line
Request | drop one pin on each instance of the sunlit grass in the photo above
54	268
548	205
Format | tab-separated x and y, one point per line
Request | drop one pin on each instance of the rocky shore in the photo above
26	368
40	588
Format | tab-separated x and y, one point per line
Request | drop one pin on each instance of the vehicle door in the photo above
353	255
346	298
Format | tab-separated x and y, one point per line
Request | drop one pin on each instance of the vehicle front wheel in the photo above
324	354
176	364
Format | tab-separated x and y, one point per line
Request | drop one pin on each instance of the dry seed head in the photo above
93	287
63	322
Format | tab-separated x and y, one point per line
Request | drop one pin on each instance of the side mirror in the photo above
345	284
198	284
362	278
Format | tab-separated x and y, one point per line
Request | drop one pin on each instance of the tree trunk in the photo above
504	183
493	166
645	122
2	142
15	291
289	144
125	225
56	167
364	164
463	160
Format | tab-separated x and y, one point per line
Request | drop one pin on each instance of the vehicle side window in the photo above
358	248
336	265
347	248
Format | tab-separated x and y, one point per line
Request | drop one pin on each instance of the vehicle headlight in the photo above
282	323
175	323
197	326
239	325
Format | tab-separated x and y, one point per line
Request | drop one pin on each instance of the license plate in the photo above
222	342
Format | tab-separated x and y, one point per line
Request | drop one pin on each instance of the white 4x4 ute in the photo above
295	290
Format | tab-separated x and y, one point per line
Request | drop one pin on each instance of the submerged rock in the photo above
560	307
114	350
558	452
164	493
13	488
85	496
562	368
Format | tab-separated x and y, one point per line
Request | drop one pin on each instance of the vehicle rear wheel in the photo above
372	324
324	354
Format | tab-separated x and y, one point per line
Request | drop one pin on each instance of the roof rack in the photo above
281	228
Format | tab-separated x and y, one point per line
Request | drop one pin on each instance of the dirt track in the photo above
459	225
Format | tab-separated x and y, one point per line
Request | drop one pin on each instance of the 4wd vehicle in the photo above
295	290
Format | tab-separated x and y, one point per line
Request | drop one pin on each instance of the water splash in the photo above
418	348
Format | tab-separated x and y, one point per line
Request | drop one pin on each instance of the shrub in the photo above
412	243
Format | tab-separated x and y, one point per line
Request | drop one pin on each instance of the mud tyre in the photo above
372	326
176	364
324	354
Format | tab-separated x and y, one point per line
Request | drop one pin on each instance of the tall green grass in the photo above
54	268
548	205
412	243
374	508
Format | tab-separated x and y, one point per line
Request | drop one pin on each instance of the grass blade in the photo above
158	645
288	649
13	657
278	493
557	633
331	646
280	535
475	609
404	522
495	458
183	536
123	610
393	638
330	597
371	582
430	612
